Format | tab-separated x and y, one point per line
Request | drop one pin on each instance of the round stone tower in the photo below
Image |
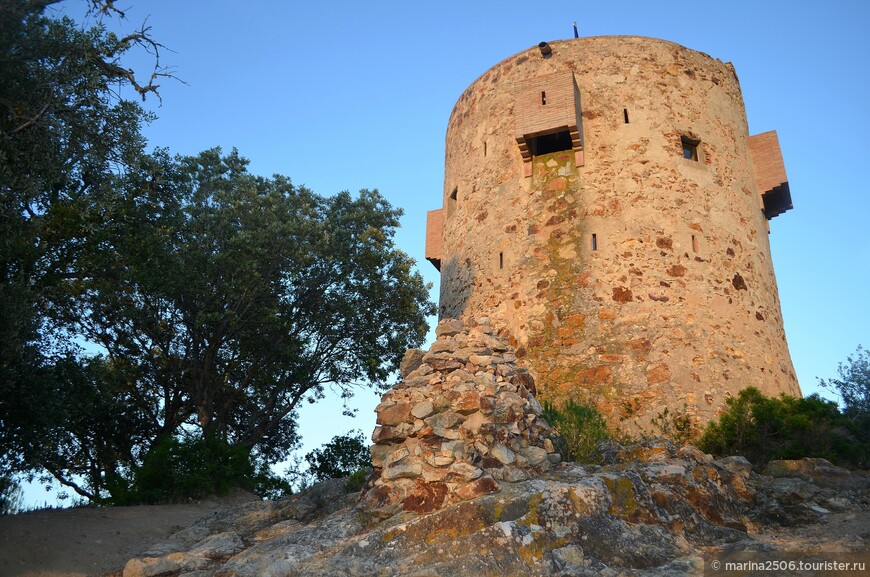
605	206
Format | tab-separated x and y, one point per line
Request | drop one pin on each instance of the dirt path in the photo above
93	541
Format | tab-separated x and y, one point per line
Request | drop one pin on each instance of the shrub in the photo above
678	426
853	388
344	456
177	470
270	486
581	426
356	481
763	428
11	497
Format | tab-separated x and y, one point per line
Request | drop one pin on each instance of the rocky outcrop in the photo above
652	509
462	422
467	482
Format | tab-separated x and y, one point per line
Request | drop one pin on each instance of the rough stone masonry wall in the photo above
677	302
463	419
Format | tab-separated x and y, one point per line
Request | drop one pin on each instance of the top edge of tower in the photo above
574	43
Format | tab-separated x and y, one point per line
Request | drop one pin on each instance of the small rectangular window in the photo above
501	260
694	243
543	97
484	148
690	147
625	114
594	241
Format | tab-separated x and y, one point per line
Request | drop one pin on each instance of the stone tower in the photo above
605	206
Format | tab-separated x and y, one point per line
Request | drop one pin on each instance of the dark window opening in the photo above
694	243
543	97
484	148
451	200
547	143
501	260
594	241
690	148
625	114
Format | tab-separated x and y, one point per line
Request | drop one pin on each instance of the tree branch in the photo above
67	483
33	120
139	38
105	8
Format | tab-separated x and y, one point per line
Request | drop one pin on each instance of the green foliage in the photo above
763	428
581	426
267	485
10	495
344	456
677	426
219	300
64	134
227	299
356	481
222	300
853	386
176	470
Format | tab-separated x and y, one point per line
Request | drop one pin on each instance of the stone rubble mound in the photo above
462	421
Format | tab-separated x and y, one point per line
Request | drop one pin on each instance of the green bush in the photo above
853	388
581	426
678	426
11	498
344	456
177	470
356	481
764	428
270	486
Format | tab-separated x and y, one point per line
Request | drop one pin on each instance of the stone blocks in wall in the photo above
633	276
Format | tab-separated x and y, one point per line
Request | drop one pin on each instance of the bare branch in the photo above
34	119
142	38
105	8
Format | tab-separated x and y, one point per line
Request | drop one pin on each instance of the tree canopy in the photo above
148	298
853	384
63	131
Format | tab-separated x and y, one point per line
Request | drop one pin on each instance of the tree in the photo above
63	132
219	301
853	386
10	495
341	457
224	300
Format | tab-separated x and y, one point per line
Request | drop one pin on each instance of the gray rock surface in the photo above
652	510
467	482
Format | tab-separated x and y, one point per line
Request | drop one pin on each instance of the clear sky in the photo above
343	95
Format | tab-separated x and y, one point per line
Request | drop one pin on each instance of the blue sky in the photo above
344	95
